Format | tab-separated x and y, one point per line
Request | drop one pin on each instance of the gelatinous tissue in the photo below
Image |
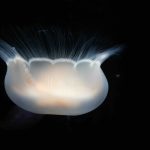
61	86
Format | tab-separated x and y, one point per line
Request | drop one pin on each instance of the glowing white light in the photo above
59	86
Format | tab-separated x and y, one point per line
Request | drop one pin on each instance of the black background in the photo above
111	19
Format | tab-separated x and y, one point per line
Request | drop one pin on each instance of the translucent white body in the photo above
60	86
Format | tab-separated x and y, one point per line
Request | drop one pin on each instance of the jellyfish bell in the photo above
58	86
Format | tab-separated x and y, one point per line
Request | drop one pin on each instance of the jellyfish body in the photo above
59	86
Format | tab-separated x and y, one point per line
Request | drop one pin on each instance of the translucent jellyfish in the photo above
59	86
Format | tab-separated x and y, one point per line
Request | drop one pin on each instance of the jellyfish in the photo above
60	86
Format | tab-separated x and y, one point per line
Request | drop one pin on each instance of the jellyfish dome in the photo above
60	86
